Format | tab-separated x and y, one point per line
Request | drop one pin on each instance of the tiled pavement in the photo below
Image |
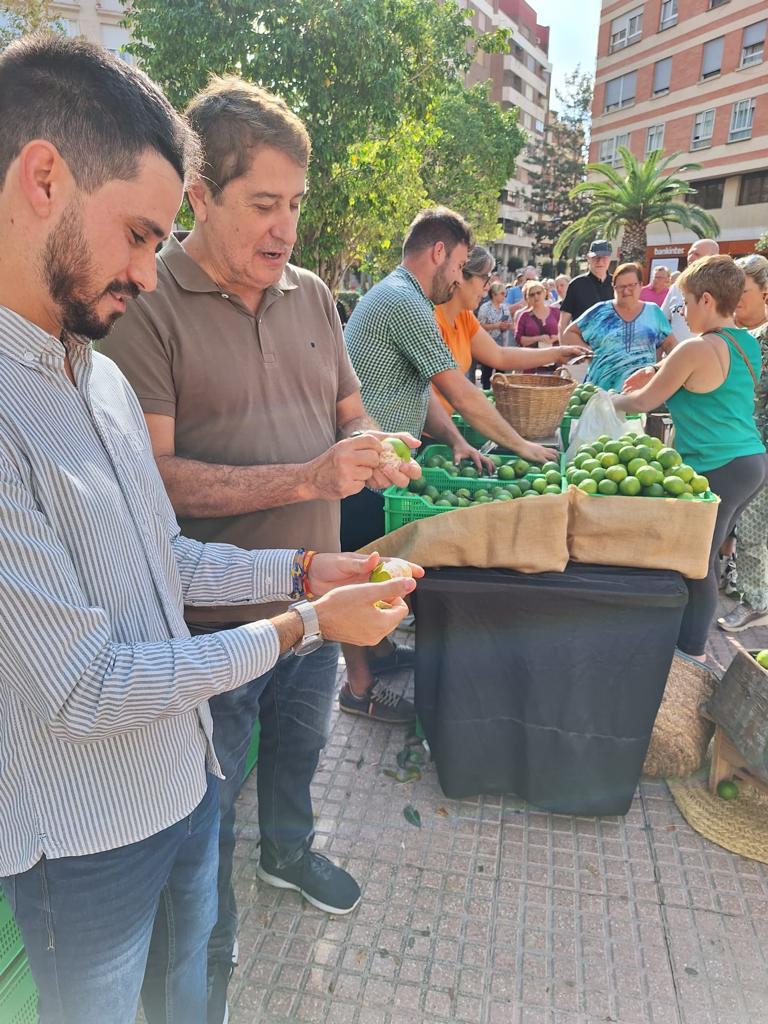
496	913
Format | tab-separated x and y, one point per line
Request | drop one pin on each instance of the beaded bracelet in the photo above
297	575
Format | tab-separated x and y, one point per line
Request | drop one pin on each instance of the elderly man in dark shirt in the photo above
587	289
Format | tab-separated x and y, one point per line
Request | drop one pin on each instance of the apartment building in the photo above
97	20
690	76
521	78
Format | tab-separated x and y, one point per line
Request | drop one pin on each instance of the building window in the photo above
114	39
662	75
753	188
626	30
668	14
703	127
753	43
708	194
712	57
609	149
717	3
654	139
741	120
620	92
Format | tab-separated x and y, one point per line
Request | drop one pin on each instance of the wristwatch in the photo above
312	639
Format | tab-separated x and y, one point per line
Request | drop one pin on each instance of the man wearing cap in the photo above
587	289
674	304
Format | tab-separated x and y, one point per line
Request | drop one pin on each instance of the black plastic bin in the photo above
547	685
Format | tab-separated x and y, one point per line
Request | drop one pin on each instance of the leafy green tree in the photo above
561	157
629	200
24	16
471	155
375	83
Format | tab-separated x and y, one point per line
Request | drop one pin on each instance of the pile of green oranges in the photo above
579	398
634	467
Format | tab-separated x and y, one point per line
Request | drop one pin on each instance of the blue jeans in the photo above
100	930
293	704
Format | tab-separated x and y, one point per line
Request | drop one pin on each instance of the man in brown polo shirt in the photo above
240	366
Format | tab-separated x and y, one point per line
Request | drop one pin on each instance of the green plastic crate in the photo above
402	506
18	994
444	481
10	937
253	751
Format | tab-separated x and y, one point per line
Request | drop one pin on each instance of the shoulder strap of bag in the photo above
740	350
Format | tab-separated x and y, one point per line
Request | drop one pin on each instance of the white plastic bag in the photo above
598	417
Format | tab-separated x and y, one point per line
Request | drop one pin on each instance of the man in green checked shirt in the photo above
398	354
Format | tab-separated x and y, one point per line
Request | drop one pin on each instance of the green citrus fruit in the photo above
506	472
590	464
464	502
673	485
470	473
597	474
627	453
539	484
762	659
629	486
668	457
686	473
686	496
524	485
431	492
531	494
552	476
589	486
550	467
580	476
607	487
444	503
654	491
608	459
700	484
613	446
727	790
521	467
634	464
616	473
647	475
514	491
418	486
552	489
644	452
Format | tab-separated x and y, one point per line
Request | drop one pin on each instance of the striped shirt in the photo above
105	732
395	348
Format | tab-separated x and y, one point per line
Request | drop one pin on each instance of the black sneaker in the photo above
219	975
399	657
319	881
379	703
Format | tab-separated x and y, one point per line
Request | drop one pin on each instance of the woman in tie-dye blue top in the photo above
624	334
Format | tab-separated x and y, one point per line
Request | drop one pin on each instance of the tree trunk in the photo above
634	242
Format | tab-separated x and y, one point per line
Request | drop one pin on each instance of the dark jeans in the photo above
736	483
96	927
293	704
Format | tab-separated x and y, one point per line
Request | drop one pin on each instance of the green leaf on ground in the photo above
412	816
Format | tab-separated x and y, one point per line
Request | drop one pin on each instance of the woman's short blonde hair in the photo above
530	285
497	287
719	276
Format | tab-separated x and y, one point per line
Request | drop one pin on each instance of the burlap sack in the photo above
680	734
643	533
526	534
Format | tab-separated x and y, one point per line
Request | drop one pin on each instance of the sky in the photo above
573	27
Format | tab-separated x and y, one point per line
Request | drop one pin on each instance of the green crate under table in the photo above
18	994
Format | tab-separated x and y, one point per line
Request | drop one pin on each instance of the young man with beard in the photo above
258	430
108	776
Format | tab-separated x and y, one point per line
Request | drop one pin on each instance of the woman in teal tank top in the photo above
708	383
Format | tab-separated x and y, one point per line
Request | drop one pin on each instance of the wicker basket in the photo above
533	403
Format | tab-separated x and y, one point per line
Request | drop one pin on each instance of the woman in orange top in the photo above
468	340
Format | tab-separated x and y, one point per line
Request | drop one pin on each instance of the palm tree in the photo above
630	200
